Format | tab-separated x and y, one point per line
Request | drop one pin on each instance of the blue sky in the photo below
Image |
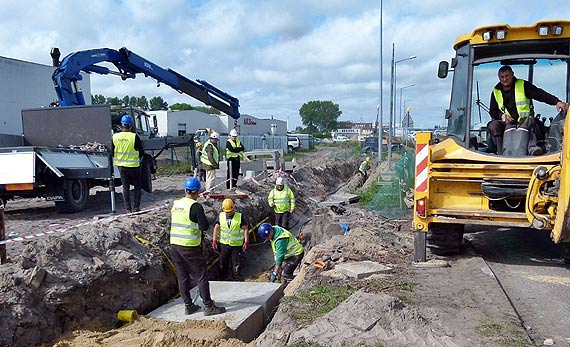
272	55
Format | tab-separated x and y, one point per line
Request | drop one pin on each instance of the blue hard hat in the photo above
264	230
126	120
192	184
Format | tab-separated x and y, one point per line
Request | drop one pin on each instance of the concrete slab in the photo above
249	306
340	199
362	269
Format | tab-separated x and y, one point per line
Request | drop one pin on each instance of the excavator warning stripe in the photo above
421	167
19	186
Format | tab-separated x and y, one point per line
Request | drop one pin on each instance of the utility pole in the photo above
380	108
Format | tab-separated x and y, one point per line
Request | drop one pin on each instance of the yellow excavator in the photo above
461	180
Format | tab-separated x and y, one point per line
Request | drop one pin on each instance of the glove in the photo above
215	245
273	277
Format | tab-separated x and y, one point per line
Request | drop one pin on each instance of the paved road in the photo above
530	269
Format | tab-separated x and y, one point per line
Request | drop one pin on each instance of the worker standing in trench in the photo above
188	222
287	249
282	199
232	232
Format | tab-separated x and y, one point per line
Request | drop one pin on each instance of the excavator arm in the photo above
129	64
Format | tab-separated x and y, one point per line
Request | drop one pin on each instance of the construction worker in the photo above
210	159
364	167
186	228
231	234
282	199
234	153
127	154
201	173
287	249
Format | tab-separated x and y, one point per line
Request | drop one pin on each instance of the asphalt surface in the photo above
531	271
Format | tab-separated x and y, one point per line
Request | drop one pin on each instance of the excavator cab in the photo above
460	180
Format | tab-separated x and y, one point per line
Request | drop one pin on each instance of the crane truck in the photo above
460	181
64	150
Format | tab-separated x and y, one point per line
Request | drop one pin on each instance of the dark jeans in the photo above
191	265
230	259
497	128
232	172
289	265
131	176
282	219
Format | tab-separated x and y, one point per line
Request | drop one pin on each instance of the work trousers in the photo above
210	179
282	219
289	265
191	265
497	128
230	264
232	172
131	176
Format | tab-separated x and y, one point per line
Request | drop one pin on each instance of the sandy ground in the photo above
95	266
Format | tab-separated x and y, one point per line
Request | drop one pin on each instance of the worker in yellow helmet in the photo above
364	167
231	235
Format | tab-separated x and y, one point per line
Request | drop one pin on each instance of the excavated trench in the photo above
81	279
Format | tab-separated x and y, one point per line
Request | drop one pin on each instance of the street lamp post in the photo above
392	97
400	108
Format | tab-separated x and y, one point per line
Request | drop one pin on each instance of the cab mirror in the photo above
442	69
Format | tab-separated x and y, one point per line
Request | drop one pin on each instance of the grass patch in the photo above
175	168
317	301
505	334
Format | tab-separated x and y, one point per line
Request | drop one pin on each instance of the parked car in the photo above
340	138
293	143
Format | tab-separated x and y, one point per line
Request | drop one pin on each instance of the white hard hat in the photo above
214	135
233	132
279	181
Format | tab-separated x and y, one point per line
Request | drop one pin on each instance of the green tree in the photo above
126	101
98	99
142	102
113	101
181	107
320	116
158	103
205	109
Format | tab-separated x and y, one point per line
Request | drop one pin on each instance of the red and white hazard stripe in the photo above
421	167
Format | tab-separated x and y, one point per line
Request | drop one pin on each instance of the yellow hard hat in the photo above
227	205
368	159
198	144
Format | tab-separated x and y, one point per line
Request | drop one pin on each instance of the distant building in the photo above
352	129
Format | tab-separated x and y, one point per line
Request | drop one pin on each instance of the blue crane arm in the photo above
128	65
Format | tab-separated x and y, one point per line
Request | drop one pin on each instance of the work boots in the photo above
212	309
191	308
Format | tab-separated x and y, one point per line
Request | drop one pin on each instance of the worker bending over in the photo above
364	167
231	234
287	249
282	199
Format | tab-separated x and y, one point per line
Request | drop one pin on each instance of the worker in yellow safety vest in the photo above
188	222
127	154
364	167
282	199
234	153
231	235
287	249
210	159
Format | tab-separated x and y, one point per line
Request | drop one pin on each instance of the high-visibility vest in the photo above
204	157
233	154
294	247
183	231
363	166
283	200
232	235
125	153
521	101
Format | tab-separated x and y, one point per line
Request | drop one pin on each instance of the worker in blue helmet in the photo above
188	222
287	249
127	155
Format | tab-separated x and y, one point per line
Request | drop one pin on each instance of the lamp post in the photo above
392	97
400	108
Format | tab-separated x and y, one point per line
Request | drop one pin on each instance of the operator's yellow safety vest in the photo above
232	154
232	235
363	167
204	157
521	101
183	231
294	247
283	200
125	153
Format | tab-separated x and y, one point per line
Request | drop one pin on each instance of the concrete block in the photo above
362	269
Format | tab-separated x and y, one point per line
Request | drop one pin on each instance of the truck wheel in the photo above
290	148
445	239
566	252
75	193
